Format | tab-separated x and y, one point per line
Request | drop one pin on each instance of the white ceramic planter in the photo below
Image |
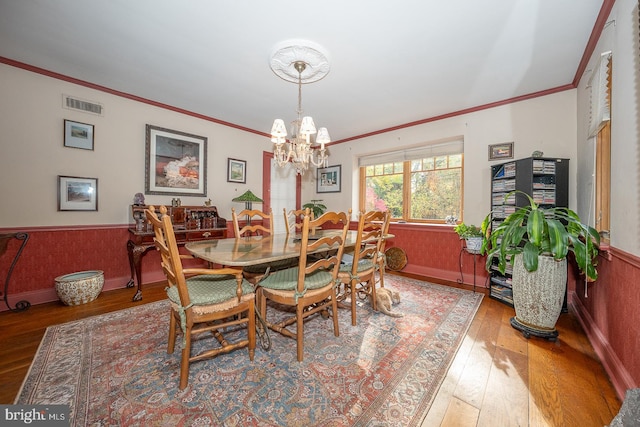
79	288
538	295
473	244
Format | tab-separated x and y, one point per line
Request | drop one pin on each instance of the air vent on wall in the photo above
78	104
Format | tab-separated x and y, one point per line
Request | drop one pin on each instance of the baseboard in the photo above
618	375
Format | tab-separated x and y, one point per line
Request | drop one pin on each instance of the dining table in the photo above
263	249
254	250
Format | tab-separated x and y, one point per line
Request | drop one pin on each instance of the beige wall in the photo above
546	123
32	155
32	152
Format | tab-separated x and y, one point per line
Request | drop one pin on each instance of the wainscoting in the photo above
609	313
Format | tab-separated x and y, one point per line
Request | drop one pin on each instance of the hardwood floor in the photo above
498	378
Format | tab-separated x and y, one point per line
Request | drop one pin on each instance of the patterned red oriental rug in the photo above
113	369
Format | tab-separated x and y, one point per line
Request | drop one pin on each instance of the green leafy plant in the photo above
465	230
533	232
316	207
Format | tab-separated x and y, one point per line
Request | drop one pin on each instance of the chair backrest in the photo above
294	218
372	227
264	227
170	258
165	241
383	243
331	241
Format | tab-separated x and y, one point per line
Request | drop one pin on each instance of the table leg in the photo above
135	256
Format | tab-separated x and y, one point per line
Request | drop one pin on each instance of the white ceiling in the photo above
392	62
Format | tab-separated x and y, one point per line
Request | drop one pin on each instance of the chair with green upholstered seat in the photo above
253	273
382	257
202	300
251	227
359	274
293	219
310	286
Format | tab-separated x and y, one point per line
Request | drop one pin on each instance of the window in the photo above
602	125
418	185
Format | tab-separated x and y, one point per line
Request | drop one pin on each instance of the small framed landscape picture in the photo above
77	194
501	151
329	179
78	135
236	171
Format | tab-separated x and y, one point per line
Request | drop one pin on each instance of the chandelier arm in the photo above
322	157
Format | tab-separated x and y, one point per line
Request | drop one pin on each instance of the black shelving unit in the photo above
546	180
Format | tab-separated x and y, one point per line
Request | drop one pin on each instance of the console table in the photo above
190	223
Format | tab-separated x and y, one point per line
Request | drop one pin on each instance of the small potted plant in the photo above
536	241
472	234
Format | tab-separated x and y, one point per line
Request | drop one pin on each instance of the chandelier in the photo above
298	148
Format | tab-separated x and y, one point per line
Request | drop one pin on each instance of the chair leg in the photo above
300	331
171	344
334	308
251	326
354	296
261	301
184	364
381	273
372	292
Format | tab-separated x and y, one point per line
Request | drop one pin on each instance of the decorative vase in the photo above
474	244
538	296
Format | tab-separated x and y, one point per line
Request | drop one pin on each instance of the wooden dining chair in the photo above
310	286
255	273
293	219
358	276
202	299
264	226
382	256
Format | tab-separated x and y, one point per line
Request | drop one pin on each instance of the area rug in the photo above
113	369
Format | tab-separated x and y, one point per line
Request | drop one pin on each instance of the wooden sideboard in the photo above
190	223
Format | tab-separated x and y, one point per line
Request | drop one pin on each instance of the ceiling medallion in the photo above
285	54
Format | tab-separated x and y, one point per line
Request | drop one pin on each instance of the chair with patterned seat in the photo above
382	256
310	286
265	226
293	219
253	273
358	275
202	300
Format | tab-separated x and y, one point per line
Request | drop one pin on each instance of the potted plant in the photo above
316	207
472	234
537	241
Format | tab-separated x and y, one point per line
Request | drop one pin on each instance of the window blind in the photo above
600	108
421	152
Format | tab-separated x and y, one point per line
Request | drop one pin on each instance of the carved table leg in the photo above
136	253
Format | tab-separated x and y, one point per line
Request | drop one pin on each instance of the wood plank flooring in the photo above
498	378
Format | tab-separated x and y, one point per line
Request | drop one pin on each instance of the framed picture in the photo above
236	170
329	179
501	151
78	135
176	163
77	194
